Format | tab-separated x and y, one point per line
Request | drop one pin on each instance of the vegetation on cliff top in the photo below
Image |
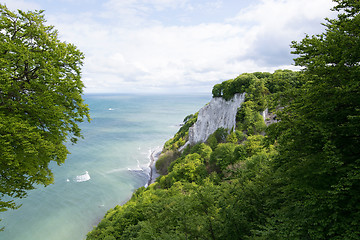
199	182
300	180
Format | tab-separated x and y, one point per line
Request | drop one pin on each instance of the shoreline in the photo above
153	174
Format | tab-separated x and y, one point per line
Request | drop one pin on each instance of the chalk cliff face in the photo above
218	113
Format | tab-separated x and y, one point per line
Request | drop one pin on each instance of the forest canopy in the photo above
296	178
40	101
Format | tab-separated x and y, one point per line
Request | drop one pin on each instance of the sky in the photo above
179	46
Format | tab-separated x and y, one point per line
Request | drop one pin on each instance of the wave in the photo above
144	170
116	170
153	157
83	178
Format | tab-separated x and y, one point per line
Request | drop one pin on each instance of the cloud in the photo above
274	24
130	46
165	56
22	4
135	13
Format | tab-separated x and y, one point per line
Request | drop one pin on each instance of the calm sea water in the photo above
103	169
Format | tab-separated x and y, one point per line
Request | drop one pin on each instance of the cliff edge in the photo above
218	113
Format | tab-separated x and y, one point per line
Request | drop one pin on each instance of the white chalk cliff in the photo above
219	113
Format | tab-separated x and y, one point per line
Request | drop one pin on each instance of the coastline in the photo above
153	174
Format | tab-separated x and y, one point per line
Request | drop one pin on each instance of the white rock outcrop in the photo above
218	113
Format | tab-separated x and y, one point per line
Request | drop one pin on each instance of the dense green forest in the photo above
297	178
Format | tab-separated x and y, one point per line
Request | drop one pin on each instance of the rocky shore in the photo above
154	156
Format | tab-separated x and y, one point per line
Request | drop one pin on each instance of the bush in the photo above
239	153
240	135
223	155
186	169
212	142
232	138
219	136
254	145
217	90
165	160
229	88
181	136
250	120
203	150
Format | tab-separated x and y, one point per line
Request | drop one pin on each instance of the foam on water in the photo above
82	178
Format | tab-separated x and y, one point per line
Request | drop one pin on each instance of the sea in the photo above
104	168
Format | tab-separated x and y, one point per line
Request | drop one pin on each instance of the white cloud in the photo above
275	23
129	49
22	4
159	55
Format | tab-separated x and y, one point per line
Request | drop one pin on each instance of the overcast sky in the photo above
178	46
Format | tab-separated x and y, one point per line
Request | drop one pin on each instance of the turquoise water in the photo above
103	169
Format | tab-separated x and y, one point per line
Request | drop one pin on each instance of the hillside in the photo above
293	175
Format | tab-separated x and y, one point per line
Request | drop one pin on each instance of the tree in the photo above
223	155
319	135
190	168
40	101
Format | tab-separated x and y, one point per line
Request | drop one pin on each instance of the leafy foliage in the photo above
300	180
319	132
40	101
190	168
249	120
181	136
170	150
215	184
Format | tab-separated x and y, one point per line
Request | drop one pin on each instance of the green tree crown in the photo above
40	101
